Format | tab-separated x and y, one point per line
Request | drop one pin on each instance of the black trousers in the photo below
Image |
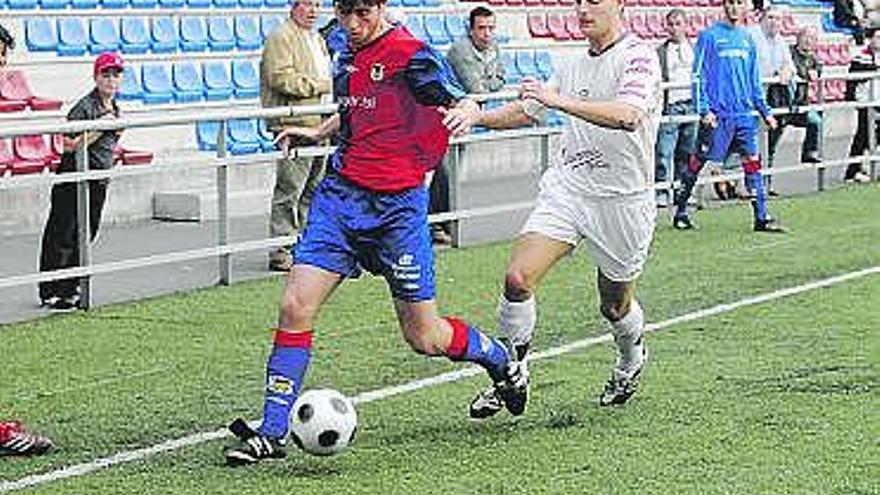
439	193
860	142
60	245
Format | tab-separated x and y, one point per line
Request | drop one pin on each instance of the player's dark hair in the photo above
6	38
478	12
349	5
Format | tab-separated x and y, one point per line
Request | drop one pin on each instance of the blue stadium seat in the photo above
198	4
276	3
22	4
135	38
431	3
144	4
247	33
225	4
84	4
411	3
54	4
266	137
131	88
115	4
187	79
511	72
218	85
525	62
250	4
245	81
171	4
416	27
72	38
243	137
163	37
206	135
545	63
103	35
394	3
268	23
39	35
156	83
456	26
193	34
220	36
435	26
327	3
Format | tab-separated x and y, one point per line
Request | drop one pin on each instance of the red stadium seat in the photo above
556	26
14	87
31	153
532	3
56	147
695	24
12	106
550	3
133	157
573	26
789	25
844	56
656	25
566	2
514	3
638	26
6	157
538	26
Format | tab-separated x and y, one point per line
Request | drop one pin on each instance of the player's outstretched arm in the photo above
460	118
316	134
508	116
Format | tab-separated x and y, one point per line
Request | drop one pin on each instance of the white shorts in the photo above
616	231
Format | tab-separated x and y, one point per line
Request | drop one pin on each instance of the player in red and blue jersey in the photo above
399	102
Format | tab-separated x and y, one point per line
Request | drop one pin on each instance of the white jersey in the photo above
598	161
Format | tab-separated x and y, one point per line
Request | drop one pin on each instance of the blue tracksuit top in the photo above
726	77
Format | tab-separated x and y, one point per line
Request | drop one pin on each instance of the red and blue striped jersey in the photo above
388	91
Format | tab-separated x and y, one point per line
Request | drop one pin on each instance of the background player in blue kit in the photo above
398	104
727	90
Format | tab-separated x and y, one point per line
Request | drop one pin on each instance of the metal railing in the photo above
223	249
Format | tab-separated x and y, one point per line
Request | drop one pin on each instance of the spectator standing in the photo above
808	69
60	244
675	141
774	62
727	90
867	60
476	61
294	70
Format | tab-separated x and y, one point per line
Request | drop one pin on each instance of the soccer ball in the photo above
323	422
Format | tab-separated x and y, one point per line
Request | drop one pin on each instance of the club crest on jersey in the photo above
377	72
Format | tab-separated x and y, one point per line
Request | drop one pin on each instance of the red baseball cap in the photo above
108	60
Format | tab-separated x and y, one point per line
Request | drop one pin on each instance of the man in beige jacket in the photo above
294	70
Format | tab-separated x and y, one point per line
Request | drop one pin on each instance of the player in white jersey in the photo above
598	190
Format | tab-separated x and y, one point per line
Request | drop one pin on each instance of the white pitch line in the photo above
384	393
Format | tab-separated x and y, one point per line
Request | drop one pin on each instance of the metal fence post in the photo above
820	170
84	227
224	267
452	175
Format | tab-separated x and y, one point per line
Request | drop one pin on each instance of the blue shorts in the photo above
385	233
737	134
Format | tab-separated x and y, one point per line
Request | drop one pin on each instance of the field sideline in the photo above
772	398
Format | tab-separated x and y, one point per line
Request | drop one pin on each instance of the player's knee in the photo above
295	313
613	310
751	165
516	285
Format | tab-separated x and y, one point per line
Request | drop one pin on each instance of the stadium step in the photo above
198	205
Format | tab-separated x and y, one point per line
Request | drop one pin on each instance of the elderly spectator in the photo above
808	68
774	61
675	141
867	60
60	244
294	70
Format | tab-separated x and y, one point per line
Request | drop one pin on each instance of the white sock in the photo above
627	333
516	321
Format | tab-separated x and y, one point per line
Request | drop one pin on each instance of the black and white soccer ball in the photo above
323	422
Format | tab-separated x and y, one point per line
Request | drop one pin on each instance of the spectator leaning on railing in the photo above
675	141
868	59
808	68
294	69
60	245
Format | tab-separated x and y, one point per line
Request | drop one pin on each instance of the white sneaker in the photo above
862	177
